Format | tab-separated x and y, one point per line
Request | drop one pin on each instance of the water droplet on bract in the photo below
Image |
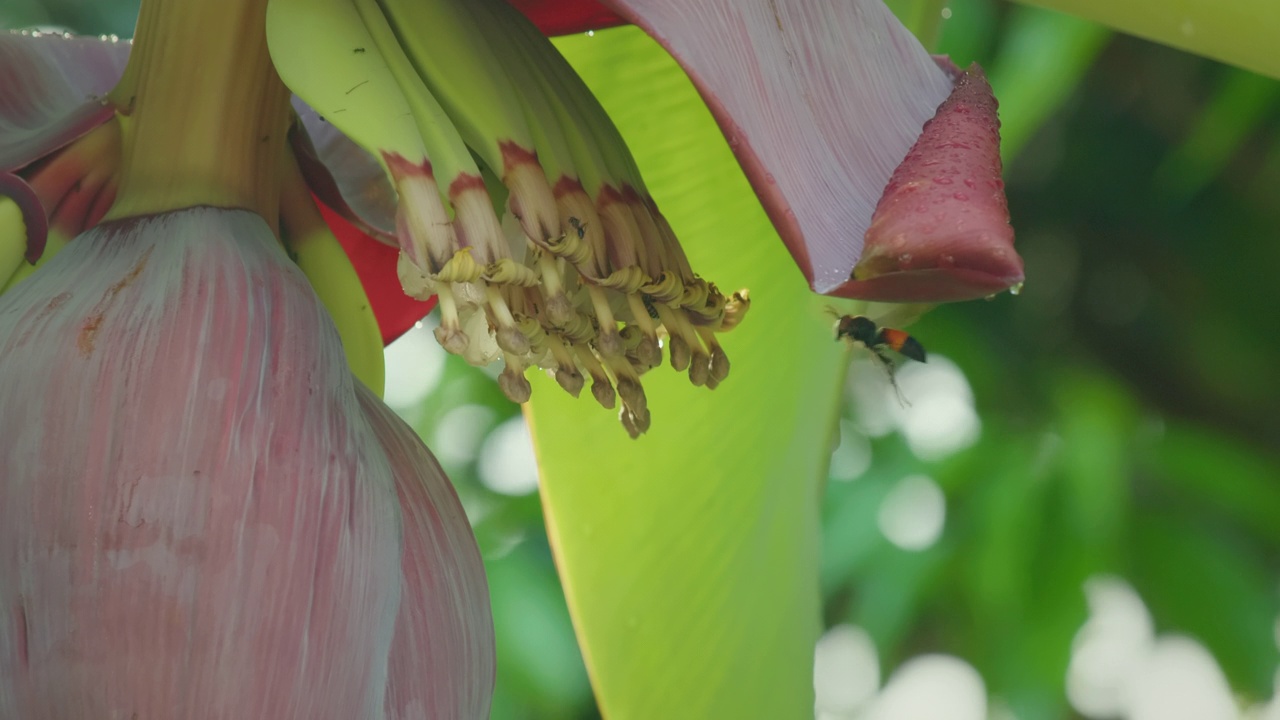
947	260
942	180
969	183
904	258
1016	289
960	196
769	179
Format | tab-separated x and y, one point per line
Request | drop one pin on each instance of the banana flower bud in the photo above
203	515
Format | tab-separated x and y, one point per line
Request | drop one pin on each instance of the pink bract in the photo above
820	102
201	515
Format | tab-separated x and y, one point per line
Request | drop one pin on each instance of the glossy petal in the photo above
820	101
442	658
941	231
196	519
49	85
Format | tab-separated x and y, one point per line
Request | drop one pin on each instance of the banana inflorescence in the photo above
520	206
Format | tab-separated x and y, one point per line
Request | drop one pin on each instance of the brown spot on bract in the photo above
54	303
128	279
89	330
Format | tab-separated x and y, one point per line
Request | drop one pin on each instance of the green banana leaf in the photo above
1239	32
690	556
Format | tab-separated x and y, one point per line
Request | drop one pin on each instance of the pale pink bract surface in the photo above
819	101
50	86
198	519
442	657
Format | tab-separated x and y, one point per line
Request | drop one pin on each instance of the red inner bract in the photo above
564	17
375	263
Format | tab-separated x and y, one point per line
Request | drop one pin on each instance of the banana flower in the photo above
206	510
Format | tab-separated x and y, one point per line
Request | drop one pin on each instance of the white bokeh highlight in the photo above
1120	668
852	456
935	412
932	687
914	513
940	419
457	437
507	462
1180	680
846	671
1108	649
415	364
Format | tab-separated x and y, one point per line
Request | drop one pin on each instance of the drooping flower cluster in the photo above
521	209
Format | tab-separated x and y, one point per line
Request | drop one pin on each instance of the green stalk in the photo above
204	114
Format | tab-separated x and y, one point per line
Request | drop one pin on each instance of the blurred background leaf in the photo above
1241	32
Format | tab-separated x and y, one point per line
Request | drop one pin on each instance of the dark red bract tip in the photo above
941	230
564	17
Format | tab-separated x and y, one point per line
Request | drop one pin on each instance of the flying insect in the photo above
862	330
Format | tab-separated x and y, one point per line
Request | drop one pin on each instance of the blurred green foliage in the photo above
1129	398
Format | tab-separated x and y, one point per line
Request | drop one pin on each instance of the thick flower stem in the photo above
204	112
